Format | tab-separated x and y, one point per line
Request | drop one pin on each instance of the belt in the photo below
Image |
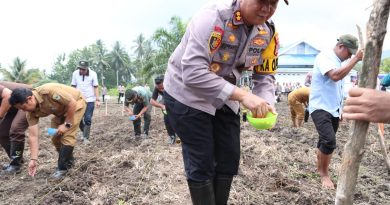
230	78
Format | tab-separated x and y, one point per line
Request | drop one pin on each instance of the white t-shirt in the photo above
86	84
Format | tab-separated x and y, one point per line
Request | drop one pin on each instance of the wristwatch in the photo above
68	125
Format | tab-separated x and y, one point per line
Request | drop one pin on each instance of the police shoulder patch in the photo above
56	97
215	39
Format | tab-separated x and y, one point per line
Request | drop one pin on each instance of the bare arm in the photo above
71	109
157	104
129	110
340	73
34	149
144	109
96	91
5	106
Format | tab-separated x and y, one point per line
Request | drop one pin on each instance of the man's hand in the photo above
360	54
367	105
258	106
61	130
97	103
32	167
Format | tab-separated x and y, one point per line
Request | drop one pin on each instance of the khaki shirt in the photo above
218	45
53	98
300	95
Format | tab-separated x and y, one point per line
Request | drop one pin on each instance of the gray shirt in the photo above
218	44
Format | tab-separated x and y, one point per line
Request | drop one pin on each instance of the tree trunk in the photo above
353	150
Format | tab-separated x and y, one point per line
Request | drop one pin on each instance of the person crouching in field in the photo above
298	100
13	124
139	96
159	90
67	104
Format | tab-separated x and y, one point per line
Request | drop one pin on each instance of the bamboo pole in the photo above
381	138
353	150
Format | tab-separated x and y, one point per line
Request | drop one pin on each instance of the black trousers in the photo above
326	126
168	126
147	119
210	144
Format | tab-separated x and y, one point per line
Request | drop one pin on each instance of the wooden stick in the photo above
360	35
105	102
381	138
354	148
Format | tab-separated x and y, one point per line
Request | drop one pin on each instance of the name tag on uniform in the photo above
269	66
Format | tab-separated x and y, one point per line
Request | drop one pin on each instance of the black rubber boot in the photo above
222	184
86	132
137	130
307	114
65	161
202	193
7	148
17	149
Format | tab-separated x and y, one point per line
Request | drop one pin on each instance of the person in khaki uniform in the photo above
298	100
67	105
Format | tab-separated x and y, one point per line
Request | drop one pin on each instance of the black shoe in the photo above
12	169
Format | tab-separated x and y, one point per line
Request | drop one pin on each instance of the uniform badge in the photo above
258	41
232	26
225	56
215	39
215	67
237	16
232	38
56	97
262	31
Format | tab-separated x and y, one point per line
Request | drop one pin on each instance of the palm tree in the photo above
100	60
19	73
120	61
166	41
139	48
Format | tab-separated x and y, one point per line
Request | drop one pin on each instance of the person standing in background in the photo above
85	80
121	92
104	92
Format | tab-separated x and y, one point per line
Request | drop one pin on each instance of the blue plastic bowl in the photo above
133	117
51	131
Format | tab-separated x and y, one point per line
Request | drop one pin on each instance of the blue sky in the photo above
39	30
